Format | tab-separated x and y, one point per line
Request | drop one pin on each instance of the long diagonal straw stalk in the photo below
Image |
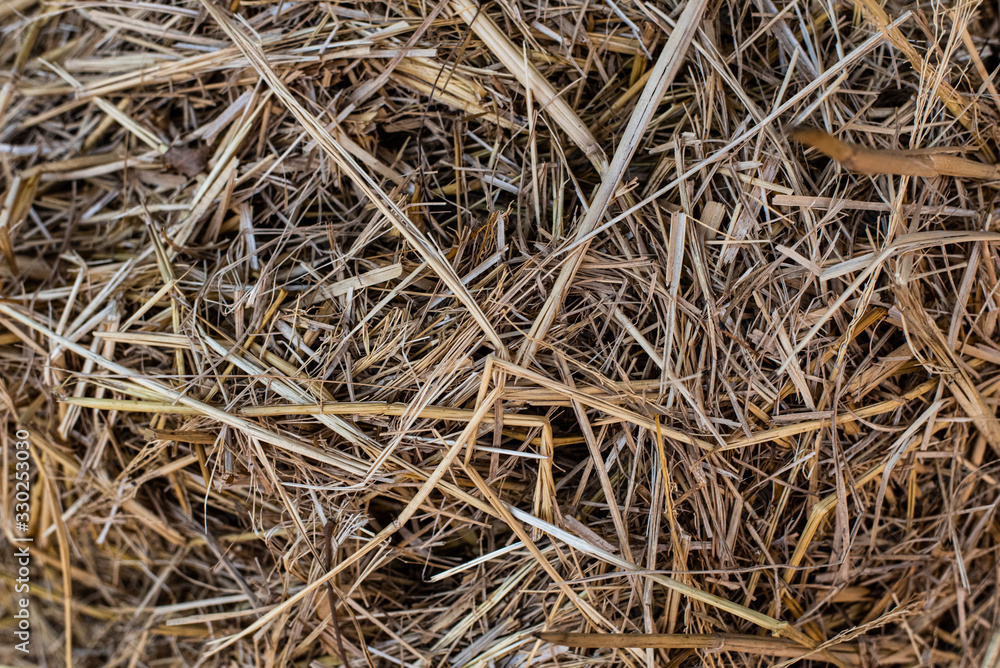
662	76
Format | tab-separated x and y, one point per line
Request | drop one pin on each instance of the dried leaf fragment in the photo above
188	161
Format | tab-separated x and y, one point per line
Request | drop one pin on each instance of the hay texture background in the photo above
517	333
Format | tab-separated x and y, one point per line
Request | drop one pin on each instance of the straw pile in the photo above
515	334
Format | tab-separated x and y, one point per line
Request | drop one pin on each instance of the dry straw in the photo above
502	334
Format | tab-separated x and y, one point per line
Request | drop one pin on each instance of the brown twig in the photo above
904	163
